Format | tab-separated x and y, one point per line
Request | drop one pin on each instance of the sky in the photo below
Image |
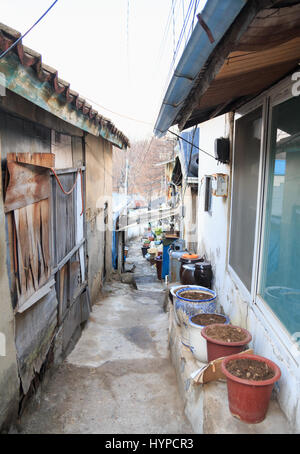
115	53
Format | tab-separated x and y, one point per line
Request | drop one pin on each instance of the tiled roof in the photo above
44	73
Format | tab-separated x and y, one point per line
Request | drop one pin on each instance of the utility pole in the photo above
126	178
126	190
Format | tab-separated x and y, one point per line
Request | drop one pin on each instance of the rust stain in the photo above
37	159
27	185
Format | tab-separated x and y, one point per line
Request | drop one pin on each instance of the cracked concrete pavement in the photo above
119	378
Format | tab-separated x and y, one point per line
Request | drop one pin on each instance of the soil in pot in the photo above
226	333
224	340
195	295
249	397
208	319
250	369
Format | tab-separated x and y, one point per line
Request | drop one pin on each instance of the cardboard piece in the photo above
212	371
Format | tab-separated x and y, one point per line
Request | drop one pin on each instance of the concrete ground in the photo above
119	378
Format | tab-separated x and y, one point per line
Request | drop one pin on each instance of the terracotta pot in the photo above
249	399
218	349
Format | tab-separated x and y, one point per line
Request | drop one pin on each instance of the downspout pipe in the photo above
216	18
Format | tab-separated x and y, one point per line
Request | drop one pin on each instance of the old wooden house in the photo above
55	217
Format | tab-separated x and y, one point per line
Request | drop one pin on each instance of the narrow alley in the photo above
119	378
150	219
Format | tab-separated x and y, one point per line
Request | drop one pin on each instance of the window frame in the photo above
281	338
259	102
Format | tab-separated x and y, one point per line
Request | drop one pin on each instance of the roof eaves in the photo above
218	17
37	79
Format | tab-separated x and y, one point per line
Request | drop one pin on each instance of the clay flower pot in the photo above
197	342
249	399
218	348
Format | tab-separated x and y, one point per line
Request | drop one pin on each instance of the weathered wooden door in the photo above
27	204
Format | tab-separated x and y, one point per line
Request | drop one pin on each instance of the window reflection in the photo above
281	271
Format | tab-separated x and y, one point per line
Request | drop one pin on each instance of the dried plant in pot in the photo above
224	340
250	380
196	324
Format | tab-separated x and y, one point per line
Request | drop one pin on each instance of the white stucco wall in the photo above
213	240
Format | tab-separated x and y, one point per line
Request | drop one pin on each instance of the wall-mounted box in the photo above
222	149
219	184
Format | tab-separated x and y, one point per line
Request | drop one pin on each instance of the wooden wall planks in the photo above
32	248
28	184
35	159
64	230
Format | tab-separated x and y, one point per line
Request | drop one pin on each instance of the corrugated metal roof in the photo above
261	47
52	93
217	16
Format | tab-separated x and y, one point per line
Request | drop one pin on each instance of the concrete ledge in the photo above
206	406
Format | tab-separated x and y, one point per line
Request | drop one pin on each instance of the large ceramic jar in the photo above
203	274
187	259
196	324
191	301
187	277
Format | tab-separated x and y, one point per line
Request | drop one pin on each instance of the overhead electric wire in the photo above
195	146
185	22
127	40
184	25
166	32
174	28
177	47
194	15
26	33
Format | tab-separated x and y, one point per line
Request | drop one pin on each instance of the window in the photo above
280	276
208	197
244	194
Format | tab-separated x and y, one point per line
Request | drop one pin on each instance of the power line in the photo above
195	146
166	32
26	33
127	39
117	113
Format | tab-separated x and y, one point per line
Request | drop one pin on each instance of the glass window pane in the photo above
244	195
280	285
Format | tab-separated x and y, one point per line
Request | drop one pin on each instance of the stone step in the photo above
206	405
